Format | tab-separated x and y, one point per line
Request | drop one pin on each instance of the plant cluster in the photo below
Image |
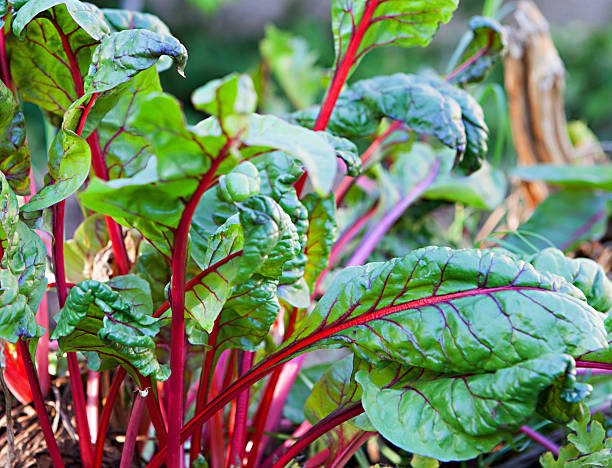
208	263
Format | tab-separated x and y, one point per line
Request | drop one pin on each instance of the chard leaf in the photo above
463	311
293	65
124	147
402	23
267	132
112	324
14	151
347	151
425	104
22	271
457	417
231	95
598	177
487	44
321	235
57	40
248	315
69	162
154	269
80	251
121	55
205	299
564	219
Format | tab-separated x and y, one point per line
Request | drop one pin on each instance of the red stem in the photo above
39	405
340	75
540	439
203	387
593	365
4	63
322	427
177	333
345	455
236	457
302	345
482	52
107	409
127	454
348	181
93	391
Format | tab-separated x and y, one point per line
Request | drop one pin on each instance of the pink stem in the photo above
107	409
593	365
93	390
540	439
127	454
371	240
236	457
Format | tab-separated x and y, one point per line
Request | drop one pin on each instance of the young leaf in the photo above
293	65
457	417
154	269
487	44
112	324
231	95
80	251
402	23
69	162
597	177
14	151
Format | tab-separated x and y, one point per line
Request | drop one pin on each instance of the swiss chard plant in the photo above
210	259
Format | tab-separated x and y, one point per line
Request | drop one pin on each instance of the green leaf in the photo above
598	177
457	417
321	235
248	315
402	23
419	461
293	65
57	39
463	311
22	272
487	44
69	162
231	95
14	151
80	251
267	132
240	184
564	219
347	151
155	270
112	321
123	54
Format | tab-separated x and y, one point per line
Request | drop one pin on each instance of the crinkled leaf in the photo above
573	177
402	23
80	251
14	151
114	322
487	43
321	235
240	184
69	162
454	311
347	151
22	271
121	55
310	148
58	38
205	299
248	315
293	65
457	417
564	219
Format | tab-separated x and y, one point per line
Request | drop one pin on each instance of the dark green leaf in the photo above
574	177
402	23
347	151
69	162
487	44
112	321
458	417
14	151
155	270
